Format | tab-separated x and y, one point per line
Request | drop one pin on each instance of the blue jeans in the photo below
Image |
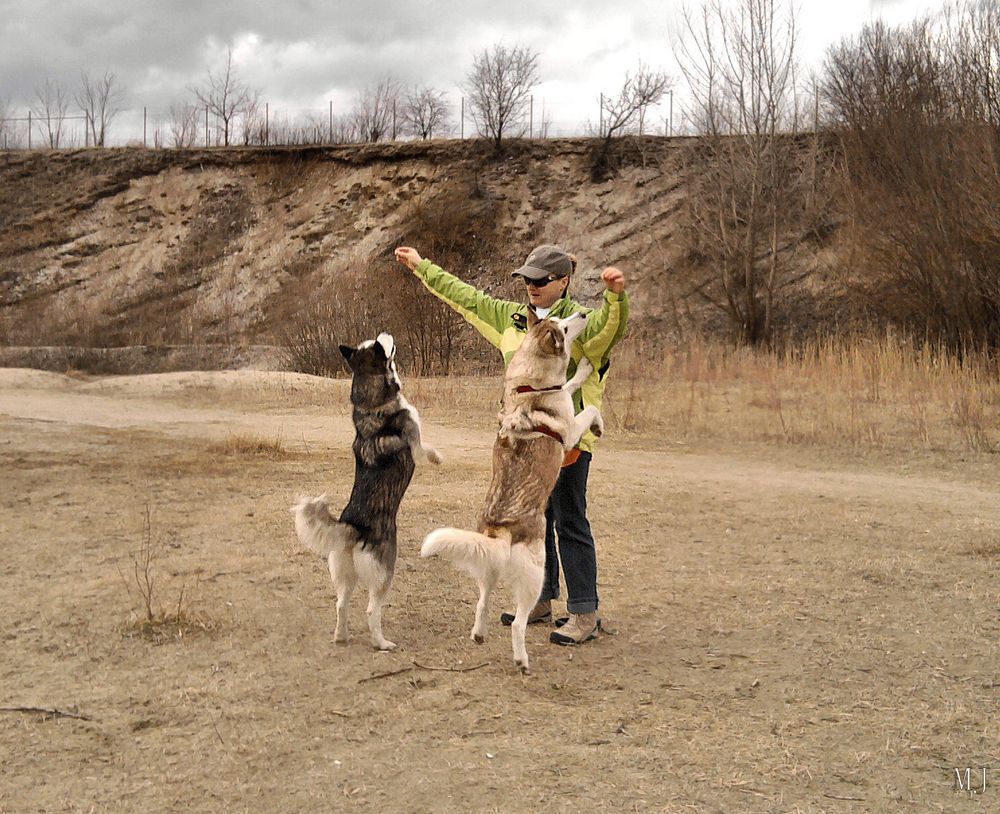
566	523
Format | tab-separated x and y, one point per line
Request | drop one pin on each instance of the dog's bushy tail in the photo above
317	528
470	551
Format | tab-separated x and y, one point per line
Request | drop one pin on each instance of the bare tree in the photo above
622	112
101	100
52	102
917	112
739	61
183	124
226	96
639	91
499	89
8	131
375	110
544	122
253	128
425	112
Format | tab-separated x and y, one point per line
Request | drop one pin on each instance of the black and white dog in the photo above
360	547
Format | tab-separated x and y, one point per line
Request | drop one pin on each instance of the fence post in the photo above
671	114
206	127
267	125
29	129
393	119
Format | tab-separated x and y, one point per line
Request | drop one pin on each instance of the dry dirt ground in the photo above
788	630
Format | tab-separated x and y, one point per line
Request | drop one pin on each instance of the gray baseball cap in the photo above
546	261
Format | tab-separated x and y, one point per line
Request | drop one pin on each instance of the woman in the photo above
546	274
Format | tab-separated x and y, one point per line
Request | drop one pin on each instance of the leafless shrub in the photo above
360	302
10	133
285	170
101	101
375	110
183	123
499	90
917	110
51	103
425	112
456	230
153	620
743	175
626	111
252	125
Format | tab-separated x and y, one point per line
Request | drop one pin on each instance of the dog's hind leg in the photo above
487	582
526	574
344	579
377	578
376	598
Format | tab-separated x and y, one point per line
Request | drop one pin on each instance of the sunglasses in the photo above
543	282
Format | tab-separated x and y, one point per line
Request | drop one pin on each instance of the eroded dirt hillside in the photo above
220	245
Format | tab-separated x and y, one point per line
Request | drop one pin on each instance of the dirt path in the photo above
784	634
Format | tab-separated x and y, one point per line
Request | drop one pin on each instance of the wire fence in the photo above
189	125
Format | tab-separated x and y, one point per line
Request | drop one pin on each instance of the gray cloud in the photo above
299	53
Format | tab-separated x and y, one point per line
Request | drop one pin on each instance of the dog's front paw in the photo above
384	645
514	423
433	455
597	427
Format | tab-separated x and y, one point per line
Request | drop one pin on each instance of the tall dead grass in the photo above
855	393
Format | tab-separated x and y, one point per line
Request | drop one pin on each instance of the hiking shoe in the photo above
562	620
581	627
542	612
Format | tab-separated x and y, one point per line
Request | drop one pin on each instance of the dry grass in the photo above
859	393
789	634
986	550
249	445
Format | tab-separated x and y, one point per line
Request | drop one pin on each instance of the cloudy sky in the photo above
304	54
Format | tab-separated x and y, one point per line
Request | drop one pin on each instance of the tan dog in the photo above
537	427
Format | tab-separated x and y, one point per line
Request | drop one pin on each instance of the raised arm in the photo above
488	315
606	325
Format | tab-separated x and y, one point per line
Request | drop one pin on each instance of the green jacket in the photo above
503	323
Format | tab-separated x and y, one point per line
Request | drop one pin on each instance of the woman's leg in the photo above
577	551
550	586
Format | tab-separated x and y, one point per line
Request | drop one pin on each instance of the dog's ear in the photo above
348	353
551	342
532	317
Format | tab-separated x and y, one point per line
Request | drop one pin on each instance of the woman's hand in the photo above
408	256
613	279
